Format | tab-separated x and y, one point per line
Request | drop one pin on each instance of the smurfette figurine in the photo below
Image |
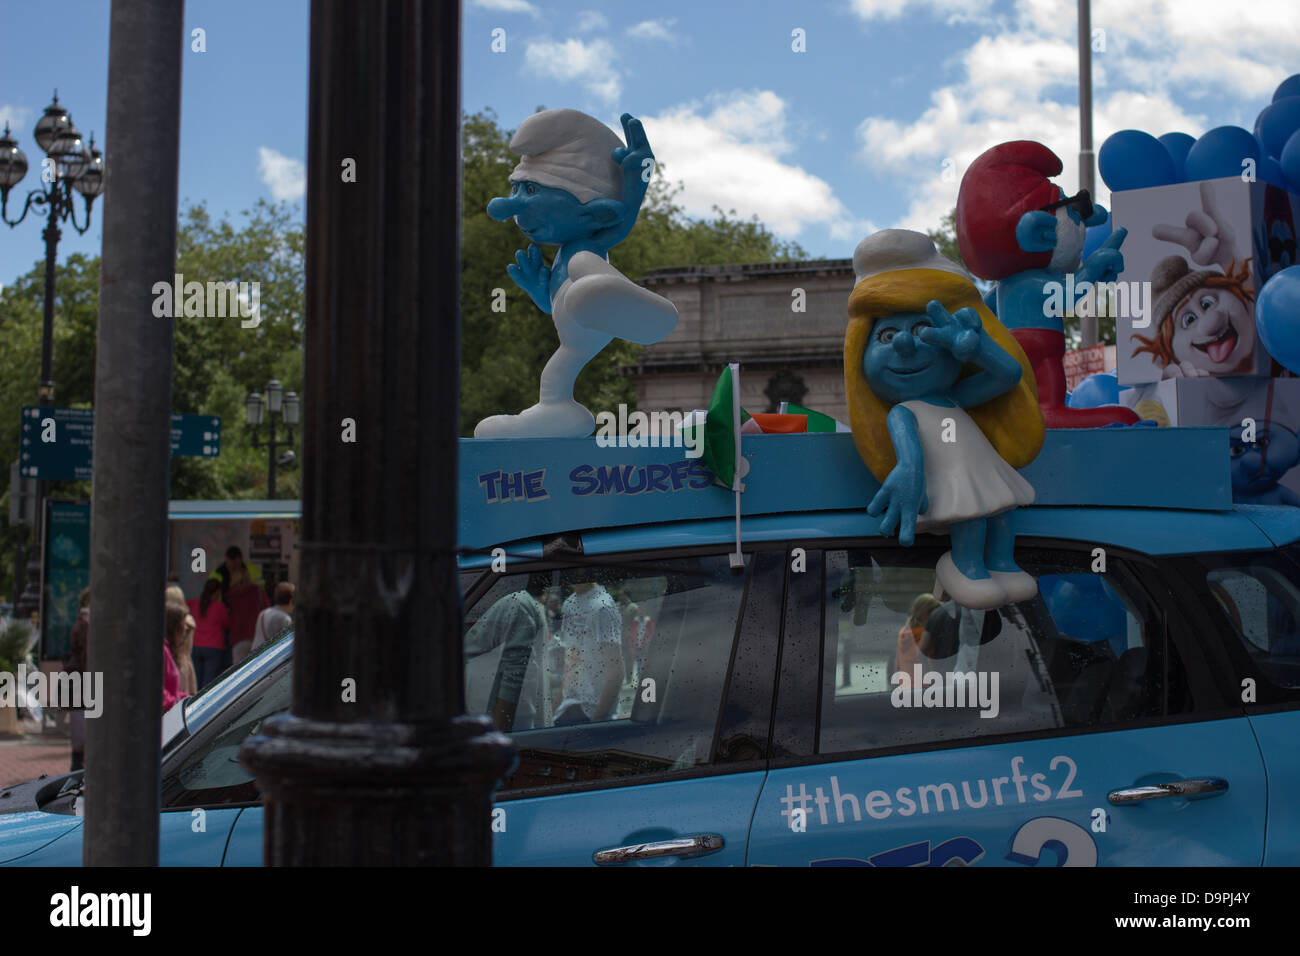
577	187
943	409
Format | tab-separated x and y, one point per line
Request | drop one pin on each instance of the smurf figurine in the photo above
1259	465
1017	227
577	187
943	411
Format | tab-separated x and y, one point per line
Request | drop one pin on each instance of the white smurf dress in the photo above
965	478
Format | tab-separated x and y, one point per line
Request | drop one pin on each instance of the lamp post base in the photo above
392	792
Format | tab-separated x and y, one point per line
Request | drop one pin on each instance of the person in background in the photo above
211	640
227	571
174	618
592	636
78	655
275	618
182	648
516	623
909	636
245	600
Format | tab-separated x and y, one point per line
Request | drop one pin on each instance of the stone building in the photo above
749	314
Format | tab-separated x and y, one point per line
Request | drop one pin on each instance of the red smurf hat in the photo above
1003	184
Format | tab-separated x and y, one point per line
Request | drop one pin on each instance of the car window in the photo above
1255	596
210	775
604	671
904	665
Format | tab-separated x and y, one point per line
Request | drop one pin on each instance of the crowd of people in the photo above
202	637
564	658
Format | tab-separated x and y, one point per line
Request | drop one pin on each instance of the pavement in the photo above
34	752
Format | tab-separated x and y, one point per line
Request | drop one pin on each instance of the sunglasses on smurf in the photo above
1082	201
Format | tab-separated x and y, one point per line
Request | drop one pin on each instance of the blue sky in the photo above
869	128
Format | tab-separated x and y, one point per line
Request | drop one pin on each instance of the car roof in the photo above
1154	490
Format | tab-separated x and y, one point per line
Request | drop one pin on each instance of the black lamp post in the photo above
278	402
69	165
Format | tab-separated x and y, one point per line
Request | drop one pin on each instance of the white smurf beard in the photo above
1069	243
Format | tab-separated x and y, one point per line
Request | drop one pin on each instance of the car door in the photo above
1080	728
672	775
1250	611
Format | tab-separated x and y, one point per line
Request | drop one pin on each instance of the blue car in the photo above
806	694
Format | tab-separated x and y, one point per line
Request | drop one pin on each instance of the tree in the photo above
502	353
216	360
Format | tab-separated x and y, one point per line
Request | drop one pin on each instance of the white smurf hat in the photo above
891	250
568	150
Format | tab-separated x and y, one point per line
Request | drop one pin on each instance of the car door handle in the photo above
683	846
1199	787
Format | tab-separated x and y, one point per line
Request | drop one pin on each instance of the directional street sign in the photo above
196	435
57	443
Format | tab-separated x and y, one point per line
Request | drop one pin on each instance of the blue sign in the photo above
58	443
511	489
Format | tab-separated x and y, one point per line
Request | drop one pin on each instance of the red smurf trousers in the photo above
1046	349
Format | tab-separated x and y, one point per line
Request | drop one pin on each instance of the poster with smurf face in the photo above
1263	419
1192	265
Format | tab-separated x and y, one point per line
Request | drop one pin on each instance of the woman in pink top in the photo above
211	642
247	600
171	689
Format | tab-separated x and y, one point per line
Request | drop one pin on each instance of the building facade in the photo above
783	322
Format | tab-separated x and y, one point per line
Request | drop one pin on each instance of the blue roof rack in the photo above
514	489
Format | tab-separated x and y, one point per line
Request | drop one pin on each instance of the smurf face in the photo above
544	214
1212	331
899	366
1258	466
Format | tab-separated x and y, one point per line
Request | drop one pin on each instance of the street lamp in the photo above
69	165
277	402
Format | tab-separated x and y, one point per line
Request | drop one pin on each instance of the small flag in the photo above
722	426
817	421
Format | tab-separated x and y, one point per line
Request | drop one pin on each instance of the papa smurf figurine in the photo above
1015	226
577	187
943	411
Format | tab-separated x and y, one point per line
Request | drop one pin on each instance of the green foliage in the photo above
13	646
945	238
502	354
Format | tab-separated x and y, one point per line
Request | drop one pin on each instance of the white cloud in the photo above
16	117
576	61
588	21
952	11
1161	60
654	30
506	6
728	153
284	176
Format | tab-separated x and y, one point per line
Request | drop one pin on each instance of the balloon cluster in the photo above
1132	159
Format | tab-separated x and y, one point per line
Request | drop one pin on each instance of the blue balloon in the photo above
1288	87
1095	236
1277	316
1099	389
1290	162
1177	145
1132	159
1277	123
1270	171
1220	153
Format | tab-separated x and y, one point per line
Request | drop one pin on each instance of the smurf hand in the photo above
1207	235
632	157
533	275
959	333
901	498
1106	262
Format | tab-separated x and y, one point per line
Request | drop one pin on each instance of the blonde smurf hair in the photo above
1012	422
